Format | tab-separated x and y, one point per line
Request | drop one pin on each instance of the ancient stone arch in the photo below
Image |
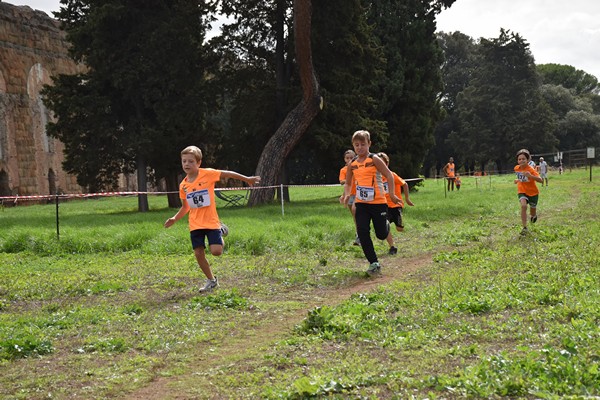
32	50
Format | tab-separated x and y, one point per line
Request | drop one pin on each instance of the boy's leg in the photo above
380	222
523	201
203	262
363	228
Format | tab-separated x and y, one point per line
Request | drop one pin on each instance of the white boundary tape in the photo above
108	194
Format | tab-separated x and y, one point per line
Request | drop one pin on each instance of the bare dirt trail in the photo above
245	345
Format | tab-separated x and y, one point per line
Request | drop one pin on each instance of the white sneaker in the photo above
224	230
210	285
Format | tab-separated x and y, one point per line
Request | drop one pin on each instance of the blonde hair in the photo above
384	157
349	152
525	152
193	150
362	136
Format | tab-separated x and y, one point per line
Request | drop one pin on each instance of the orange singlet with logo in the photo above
369	182
200	196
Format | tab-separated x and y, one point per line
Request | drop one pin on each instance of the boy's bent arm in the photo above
185	207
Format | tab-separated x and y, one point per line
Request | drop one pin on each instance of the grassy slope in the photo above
112	308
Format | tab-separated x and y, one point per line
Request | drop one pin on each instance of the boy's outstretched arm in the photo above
250	180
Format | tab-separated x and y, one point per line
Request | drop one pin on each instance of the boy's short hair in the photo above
525	152
362	136
349	152
384	157
193	150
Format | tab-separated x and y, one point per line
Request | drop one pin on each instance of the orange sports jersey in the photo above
450	170
398	184
368	180
524	184
343	172
200	196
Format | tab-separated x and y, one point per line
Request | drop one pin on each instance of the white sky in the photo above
558	31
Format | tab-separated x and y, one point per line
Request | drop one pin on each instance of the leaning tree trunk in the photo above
297	121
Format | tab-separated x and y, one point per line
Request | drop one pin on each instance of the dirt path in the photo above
243	347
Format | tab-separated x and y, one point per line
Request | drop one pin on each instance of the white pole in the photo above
281	193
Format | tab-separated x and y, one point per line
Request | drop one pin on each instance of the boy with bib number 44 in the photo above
197	193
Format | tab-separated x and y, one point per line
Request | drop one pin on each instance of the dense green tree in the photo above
580	82
458	66
502	109
409	94
578	130
348	63
143	97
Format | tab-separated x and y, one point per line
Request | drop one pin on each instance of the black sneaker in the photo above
533	219
524	231
393	251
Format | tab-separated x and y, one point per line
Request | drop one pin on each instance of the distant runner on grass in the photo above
197	193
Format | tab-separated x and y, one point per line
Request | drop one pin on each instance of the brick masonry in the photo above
32	50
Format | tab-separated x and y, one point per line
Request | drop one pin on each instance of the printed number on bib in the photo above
365	193
385	187
198	199
522	178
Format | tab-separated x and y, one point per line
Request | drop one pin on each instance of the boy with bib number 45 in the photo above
197	193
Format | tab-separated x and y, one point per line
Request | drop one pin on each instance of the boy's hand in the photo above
343	199
395	199
410	203
169	222
253	180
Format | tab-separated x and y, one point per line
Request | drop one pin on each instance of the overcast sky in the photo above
558	31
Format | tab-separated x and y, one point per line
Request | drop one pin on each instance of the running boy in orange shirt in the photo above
394	212
527	190
367	170
348	156
197	194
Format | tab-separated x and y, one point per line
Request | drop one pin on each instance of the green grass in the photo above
112	306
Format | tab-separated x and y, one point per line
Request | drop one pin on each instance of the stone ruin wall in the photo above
32	50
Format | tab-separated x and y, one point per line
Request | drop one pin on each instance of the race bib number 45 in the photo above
198	199
365	193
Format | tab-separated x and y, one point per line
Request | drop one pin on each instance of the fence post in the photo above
57	221
281	187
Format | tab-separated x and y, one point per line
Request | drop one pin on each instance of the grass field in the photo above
468	308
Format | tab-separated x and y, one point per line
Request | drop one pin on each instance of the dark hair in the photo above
524	152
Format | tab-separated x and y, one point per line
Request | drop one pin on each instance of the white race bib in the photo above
365	193
521	177
198	199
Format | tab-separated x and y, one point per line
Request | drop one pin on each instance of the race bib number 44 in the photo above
365	193
198	199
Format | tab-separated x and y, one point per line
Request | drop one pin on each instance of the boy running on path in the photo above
394	212
197	194
348	157
367	170
527	190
